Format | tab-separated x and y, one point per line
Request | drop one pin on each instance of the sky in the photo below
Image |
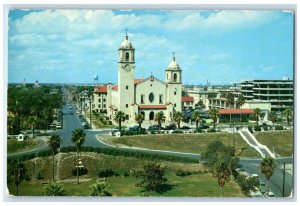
72	46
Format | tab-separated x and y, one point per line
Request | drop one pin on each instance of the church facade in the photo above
140	96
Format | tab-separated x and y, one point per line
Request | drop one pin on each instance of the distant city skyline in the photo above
72	46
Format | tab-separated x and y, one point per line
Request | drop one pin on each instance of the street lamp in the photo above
78	166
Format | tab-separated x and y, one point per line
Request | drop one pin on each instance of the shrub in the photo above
278	127
250	129
126	174
266	128
39	176
211	130
177	132
81	171
182	173
108	173
199	130
257	128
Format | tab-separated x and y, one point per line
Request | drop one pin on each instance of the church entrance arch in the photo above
151	115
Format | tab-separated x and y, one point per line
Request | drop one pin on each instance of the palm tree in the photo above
100	189
160	118
221	171
120	117
273	117
54	189
54	144
214	114
197	118
17	171
139	119
257	114
230	102
32	121
78	138
267	168
178	117
287	113
241	102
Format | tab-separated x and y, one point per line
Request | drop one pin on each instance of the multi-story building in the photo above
279	93
100	99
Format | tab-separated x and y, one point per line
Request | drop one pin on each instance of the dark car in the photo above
204	127
185	127
153	127
171	127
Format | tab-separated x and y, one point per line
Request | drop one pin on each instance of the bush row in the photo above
132	153
182	173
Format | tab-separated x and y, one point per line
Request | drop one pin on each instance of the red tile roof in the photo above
152	107
136	81
115	87
187	99
235	111
101	89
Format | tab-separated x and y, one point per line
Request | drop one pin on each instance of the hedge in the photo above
112	152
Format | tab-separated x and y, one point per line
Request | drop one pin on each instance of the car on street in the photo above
185	127
153	127
171	127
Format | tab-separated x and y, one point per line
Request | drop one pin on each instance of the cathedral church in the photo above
140	96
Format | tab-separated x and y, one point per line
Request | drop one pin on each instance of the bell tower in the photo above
126	66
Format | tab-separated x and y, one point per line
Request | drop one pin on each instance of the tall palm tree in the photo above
139	119
197	118
257	114
119	117
241	102
178	117
267	168
273	117
214	114
160	118
32	121
54	189
54	144
16	169
78	138
230	102
287	113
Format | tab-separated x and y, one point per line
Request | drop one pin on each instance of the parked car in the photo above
153	127
185	127
204	127
171	127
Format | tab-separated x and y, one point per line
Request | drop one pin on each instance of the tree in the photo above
287	113
221	161
257	114
230	102
54	189
78	138
11	123
119	117
152	177
178	117
273	117
17	171
214	114
267	168
139	119
160	118
197	118
54	144
200	103
32	121
100	189
241	102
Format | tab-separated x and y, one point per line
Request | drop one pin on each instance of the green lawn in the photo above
14	145
282	141
96	120
193	143
197	185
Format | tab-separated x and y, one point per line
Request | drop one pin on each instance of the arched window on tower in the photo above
175	77
127	56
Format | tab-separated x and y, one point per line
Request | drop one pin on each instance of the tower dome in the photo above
126	44
173	64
